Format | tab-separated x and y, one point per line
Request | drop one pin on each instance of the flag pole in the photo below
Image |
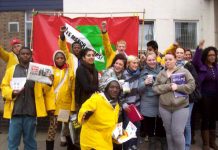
82	13
31	36
142	30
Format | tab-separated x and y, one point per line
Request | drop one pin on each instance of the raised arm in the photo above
109	52
62	42
197	56
4	55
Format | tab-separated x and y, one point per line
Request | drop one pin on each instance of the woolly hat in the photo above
107	82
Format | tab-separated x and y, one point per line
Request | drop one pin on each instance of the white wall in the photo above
163	12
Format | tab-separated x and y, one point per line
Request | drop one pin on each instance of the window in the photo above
13	27
28	28
186	34
148	34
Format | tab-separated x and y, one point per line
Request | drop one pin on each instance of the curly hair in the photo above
205	54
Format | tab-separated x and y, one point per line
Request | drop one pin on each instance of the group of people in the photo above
100	102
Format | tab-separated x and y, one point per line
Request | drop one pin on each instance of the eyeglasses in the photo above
211	55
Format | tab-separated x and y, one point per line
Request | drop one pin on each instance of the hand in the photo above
104	26
51	113
201	44
127	109
63	29
148	80
51	77
16	92
87	115
142	58
174	86
176	44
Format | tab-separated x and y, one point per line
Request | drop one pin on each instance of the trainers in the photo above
134	147
146	139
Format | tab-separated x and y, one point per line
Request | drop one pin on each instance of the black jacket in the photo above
86	82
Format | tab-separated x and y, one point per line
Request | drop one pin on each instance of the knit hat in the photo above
107	82
15	41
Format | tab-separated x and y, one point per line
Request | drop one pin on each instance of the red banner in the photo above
46	31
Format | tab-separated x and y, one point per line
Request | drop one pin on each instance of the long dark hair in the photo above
121	57
205	54
84	51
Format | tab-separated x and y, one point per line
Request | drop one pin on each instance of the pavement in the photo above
41	137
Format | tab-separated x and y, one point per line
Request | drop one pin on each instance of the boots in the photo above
205	138
163	142
49	145
152	142
212	141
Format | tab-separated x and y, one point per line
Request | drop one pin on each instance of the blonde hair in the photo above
150	53
121	42
132	58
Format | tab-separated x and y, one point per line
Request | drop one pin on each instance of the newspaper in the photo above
40	73
120	136
18	83
63	115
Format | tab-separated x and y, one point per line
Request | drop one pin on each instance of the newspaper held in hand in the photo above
127	134
179	79
18	83
118	131
40	73
63	115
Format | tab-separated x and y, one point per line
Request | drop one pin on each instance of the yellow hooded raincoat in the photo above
44	96
65	95
97	130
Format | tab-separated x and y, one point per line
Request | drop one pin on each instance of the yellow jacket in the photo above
109	52
100	125
65	98
9	57
44	96
172	48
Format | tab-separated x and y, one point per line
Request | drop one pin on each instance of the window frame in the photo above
27	22
11	23
144	47
188	21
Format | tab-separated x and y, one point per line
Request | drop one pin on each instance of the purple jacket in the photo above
201	68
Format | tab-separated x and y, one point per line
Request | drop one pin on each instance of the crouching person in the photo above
99	116
23	106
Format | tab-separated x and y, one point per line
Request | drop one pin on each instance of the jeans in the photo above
22	125
187	132
174	124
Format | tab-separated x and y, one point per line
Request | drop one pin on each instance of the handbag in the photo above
195	95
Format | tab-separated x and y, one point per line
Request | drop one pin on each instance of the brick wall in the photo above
5	36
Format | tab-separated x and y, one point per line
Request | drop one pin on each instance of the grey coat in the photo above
149	99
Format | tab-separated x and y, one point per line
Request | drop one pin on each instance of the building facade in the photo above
166	21
16	21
